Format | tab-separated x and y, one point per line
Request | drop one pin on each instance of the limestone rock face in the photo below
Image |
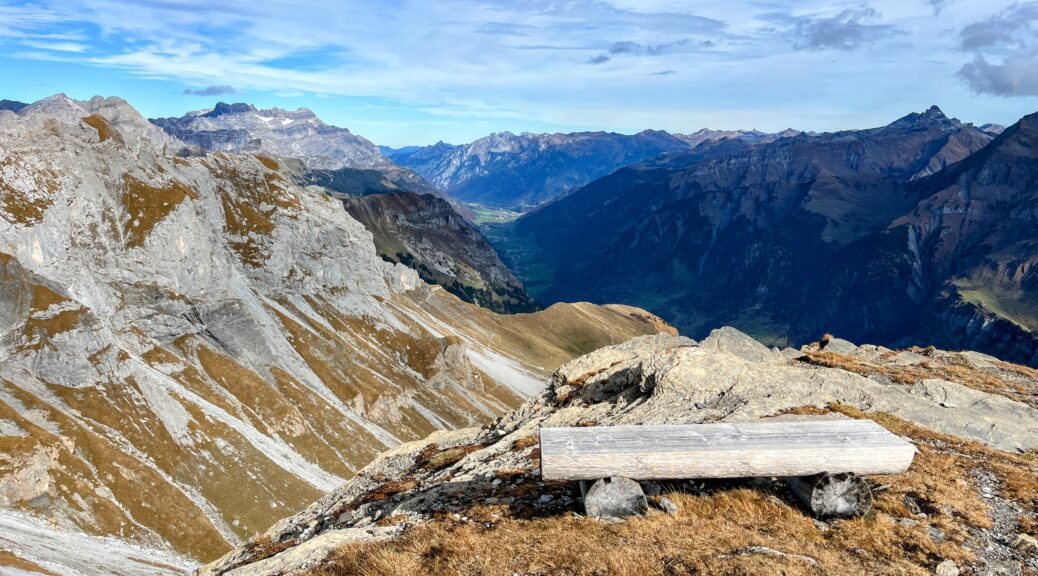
661	379
205	334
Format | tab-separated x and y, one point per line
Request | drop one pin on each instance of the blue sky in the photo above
402	72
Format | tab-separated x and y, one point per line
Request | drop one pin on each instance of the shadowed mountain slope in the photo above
423	232
876	234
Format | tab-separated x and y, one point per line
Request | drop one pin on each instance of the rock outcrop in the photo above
192	348
424	232
660	379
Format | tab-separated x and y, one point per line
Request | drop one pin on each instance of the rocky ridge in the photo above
706	135
423	232
346	165
203	333
968	412
298	134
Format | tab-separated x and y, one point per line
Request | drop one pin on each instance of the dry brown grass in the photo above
938	472
105	131
269	162
712	534
723	531
264	547
433	458
525	442
88	464
21	206
966	375
250	203
147	205
386	491
12	560
39	329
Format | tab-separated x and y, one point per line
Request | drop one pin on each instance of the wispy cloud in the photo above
56	46
1008	28
1005	52
628	48
211	91
846	30
1015	75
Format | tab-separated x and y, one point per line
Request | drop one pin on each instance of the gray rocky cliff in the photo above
205	334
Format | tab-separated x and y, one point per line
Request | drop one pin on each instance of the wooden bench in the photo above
821	460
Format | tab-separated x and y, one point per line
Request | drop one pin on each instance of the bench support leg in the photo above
844	495
615	497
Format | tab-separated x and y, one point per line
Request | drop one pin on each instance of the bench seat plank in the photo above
723	450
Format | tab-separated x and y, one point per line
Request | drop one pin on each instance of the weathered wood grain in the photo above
844	494
756	449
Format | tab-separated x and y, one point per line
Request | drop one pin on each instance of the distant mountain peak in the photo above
223	108
123	117
934	112
243	128
52	104
992	129
932	117
512	171
1022	137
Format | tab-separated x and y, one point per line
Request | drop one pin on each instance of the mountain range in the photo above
193	347
916	232
348	165
301	135
518	172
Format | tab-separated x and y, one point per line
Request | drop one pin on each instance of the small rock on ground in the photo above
1025	543
615	497
667	505
947	568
